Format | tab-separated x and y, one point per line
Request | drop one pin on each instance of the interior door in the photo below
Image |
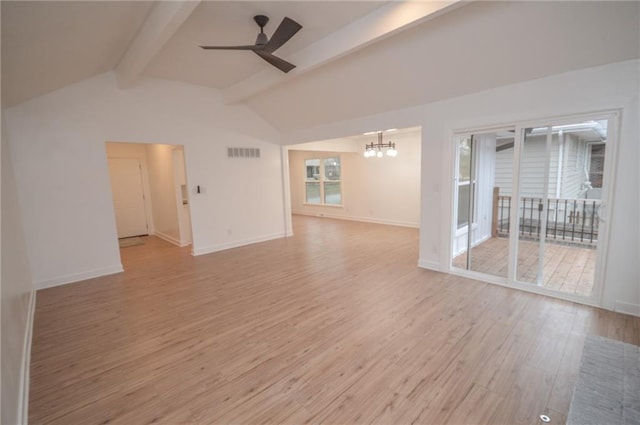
128	197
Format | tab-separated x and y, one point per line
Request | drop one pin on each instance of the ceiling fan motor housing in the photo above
261	20
262	39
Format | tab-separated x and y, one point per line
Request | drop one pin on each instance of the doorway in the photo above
530	203
149	189
339	178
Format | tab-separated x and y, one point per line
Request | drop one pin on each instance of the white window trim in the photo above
321	182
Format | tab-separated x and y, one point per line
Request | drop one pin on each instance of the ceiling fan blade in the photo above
287	29
281	64
252	47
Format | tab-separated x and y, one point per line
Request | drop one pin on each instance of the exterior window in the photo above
312	181
323	181
596	165
464	181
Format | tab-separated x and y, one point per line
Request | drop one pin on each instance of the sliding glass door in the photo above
484	166
562	180
529	203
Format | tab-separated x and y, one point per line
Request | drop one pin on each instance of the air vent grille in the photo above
243	152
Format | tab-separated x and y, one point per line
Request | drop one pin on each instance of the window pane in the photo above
332	168
313	193
464	160
463	205
332	193
312	169
596	166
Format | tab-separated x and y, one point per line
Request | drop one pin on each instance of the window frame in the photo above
589	163
322	180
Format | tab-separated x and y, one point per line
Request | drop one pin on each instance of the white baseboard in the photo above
235	244
76	277
172	240
430	265
627	308
25	367
362	219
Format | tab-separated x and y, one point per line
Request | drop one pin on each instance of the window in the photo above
596	165
323	181
312	184
464	181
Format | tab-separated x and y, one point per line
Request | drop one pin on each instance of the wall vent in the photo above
243	152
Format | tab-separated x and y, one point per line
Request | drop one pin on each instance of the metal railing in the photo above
572	221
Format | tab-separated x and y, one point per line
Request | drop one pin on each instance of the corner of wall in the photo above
429	265
77	277
25	369
627	308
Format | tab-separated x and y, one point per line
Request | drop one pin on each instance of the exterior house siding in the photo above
531	170
573	170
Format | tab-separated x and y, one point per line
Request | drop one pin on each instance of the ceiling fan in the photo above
264	47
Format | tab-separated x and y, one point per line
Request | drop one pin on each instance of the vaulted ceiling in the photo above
354	58
48	45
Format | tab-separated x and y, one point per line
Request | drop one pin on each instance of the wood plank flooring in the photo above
334	325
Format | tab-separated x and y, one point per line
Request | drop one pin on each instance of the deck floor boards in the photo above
568	269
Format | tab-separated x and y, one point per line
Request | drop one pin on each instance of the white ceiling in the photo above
476	47
355	58
231	23
48	45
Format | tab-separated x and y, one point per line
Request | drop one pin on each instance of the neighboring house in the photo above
576	167
576	162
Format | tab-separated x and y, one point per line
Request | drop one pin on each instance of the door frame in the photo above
613	117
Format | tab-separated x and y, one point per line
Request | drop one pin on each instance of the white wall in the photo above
163	192
613	86
180	181
379	190
17	299
62	178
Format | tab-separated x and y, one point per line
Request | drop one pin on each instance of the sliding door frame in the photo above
456	137
613	117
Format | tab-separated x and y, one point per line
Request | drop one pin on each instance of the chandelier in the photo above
379	149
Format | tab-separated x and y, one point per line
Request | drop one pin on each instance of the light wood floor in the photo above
568	269
335	325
